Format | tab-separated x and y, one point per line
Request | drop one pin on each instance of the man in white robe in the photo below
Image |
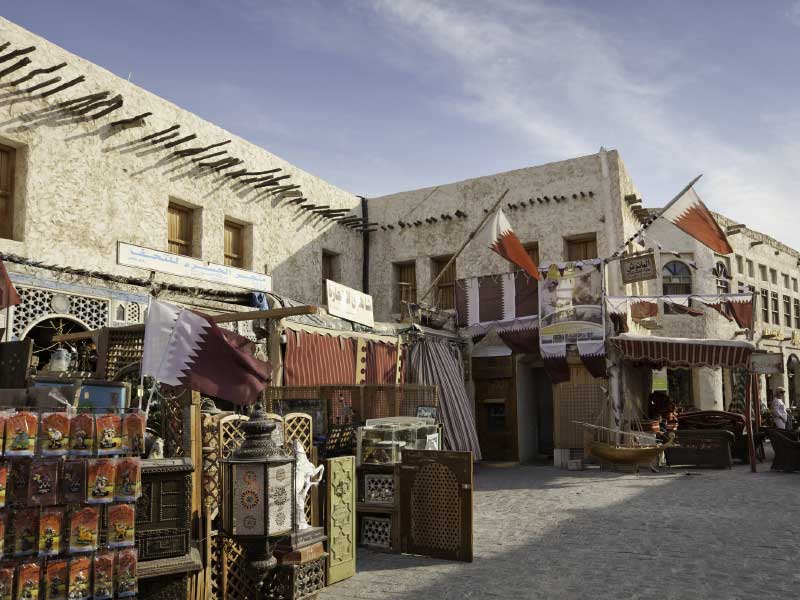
779	415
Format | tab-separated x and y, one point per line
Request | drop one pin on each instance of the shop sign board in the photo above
772	332
639	267
130	255
570	305
349	304
766	362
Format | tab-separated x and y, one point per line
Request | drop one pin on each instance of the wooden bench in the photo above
701	448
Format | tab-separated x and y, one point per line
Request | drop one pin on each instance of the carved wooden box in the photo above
293	582
163	513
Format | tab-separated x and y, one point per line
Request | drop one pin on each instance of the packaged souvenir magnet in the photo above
129	479
54	434
83	528
81	435
24	522
126	573
28	577
55	580
133	425
80	570
121	518
51	531
6	582
100	481
103	587
18	475
3	483
42	485
21	430
108	434
73	482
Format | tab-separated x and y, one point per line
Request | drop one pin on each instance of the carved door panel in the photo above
341	518
436	504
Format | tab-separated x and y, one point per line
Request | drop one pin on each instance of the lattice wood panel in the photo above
234	581
299	426
210	433
123	349
172	428
575	402
230	434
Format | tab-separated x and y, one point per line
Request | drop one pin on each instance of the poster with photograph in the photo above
570	306
349	304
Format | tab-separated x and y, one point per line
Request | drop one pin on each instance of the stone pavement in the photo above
546	533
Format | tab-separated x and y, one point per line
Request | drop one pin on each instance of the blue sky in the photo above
380	96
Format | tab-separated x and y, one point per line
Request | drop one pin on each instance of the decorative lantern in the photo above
258	483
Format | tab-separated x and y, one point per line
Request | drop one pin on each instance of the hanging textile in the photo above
438	362
484	301
313	359
381	363
593	355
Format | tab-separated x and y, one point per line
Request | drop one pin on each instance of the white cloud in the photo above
793	12
554	77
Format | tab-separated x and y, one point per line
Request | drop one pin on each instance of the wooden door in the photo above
496	408
341	518
436	504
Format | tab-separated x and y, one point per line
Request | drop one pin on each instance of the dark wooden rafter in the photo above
280	188
217	163
16	66
320	209
193	151
31	74
16	53
63	86
308	205
263	179
137	120
298	200
161	140
83	99
158	134
114	104
41	85
232	162
85	109
4	46
207	156
183	140
244	172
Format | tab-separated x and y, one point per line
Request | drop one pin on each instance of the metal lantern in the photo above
258	483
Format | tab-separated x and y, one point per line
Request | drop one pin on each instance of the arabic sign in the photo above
186	266
766	362
570	304
639	267
350	304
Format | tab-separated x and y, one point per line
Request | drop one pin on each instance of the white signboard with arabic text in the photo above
193	268
350	304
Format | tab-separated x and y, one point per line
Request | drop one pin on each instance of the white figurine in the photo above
307	477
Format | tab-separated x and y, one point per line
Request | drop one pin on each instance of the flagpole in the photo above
653	218
464	245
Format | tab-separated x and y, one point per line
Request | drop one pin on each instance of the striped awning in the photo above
683	352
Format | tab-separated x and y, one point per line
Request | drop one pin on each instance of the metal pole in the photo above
751	446
464	245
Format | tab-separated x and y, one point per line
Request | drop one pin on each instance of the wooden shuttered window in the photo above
446	286
7	156
532	250
406	286
179	236
234	244
582	248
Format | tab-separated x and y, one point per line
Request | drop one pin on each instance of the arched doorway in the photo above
42	332
792	372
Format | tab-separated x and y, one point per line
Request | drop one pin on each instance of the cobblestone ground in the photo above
545	533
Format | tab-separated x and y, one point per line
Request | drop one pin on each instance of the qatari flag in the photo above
689	214
182	347
498	235
8	294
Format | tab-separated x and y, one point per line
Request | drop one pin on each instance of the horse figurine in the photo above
307	477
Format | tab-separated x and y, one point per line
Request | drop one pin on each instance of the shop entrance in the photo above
495	407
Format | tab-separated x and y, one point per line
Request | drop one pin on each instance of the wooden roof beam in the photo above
35	72
16	66
63	87
16	53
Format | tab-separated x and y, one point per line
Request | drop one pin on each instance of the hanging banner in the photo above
350	304
766	362
570	307
638	267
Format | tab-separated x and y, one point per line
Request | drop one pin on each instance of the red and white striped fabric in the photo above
313	359
498	235
689	214
681	352
381	363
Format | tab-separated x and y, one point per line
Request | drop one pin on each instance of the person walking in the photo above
779	414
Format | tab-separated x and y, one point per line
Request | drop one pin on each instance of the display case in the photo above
382	441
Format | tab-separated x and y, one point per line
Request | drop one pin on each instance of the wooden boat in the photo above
625	455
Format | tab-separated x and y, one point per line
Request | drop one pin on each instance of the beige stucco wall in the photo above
546	223
83	186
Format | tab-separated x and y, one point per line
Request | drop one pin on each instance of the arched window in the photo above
723	278
120	312
677	279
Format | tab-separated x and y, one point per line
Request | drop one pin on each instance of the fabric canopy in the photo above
381	361
682	352
319	359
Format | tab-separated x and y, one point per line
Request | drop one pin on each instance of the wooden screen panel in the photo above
575	402
406	286
179	236
436	504
234	244
446	286
7	156
582	248
532	250
341	518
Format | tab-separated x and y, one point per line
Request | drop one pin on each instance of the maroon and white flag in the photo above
8	294
182	347
689	214
498	235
